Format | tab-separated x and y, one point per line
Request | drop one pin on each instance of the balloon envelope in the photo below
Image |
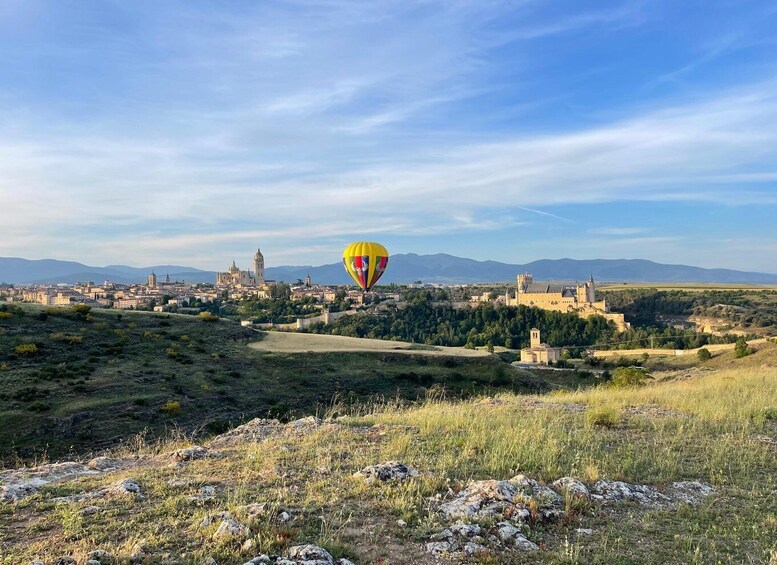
366	262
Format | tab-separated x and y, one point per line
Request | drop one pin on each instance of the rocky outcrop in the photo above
571	487
126	487
519	503
261	429
105	464
618	491
21	483
690	492
388	471
306	554
231	528
189	453
471	539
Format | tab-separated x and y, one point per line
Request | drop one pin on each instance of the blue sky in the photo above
192	132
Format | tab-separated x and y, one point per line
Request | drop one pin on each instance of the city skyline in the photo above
512	131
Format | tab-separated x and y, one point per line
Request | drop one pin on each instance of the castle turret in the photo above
591	289
152	279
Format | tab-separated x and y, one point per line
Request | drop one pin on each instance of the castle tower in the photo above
307	281
591	289
152	280
582	294
258	268
535	338
524	281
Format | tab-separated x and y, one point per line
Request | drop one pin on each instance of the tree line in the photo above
427	319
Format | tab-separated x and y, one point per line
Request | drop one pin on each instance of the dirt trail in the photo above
673	352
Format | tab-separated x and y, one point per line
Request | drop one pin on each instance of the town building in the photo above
152	280
539	353
578	298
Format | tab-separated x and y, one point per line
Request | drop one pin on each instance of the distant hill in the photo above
443	268
15	270
403	268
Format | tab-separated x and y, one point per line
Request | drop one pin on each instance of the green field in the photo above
97	379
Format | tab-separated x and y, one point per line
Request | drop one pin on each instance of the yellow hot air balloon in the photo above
366	262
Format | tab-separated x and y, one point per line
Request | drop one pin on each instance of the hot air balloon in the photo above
366	262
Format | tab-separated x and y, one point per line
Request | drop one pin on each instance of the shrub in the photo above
603	416
81	309
172	352
5	315
704	354
741	349
629	376
39	406
28	393
26	349
208	317
172	407
70	339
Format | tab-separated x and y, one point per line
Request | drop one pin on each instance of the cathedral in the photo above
235	277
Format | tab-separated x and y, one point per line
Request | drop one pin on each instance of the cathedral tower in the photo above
258	268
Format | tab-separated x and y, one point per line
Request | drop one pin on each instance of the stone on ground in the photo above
388	471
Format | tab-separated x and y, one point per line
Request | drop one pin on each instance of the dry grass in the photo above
702	428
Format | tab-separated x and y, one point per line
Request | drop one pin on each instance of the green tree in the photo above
629	376
741	349
704	354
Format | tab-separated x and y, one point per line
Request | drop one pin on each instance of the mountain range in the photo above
403	268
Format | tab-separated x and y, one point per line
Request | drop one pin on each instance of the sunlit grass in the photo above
707	430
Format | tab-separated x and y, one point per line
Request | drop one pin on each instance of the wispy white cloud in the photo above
317	119
618	231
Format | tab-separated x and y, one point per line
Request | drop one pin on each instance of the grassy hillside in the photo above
78	382
717	426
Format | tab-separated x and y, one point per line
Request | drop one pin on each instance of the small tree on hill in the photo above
629	376
741	349
704	354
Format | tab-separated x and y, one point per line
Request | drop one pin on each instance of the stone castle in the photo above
579	298
235	277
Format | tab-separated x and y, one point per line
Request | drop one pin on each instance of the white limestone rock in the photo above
310	554
618	491
230	528
690	492
523	544
126	487
388	471
190	453
481	499
572	487
440	548
104	464
530	488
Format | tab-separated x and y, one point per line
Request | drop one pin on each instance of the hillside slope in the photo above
94	380
679	471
